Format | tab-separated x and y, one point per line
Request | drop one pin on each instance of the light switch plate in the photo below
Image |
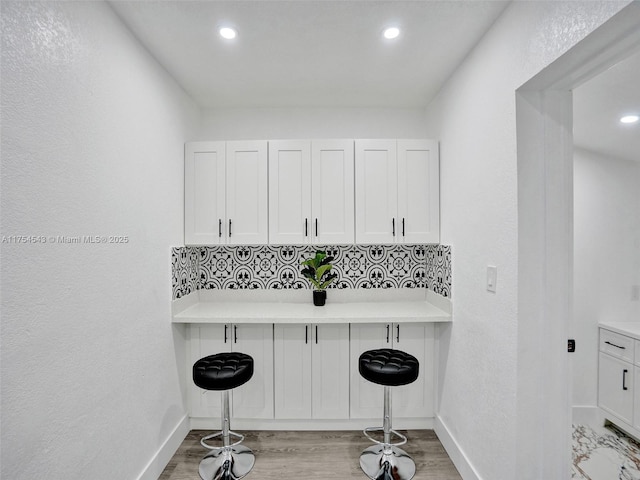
492	278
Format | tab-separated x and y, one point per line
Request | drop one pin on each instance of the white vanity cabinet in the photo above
618	392
311	192
226	193
397	191
310	378
254	399
413	400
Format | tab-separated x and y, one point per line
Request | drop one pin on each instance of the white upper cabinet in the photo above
289	191
376	191
204	192
247	207
311	192
301	192
397	191
419	191
226	193
332	191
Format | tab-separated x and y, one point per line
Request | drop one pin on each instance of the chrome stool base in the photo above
227	463
386	462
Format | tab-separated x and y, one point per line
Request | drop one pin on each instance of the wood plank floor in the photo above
309	455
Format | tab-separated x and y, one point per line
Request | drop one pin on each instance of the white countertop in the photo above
631	329
290	307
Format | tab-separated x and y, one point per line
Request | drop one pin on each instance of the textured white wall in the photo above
474	118
606	257
92	144
307	123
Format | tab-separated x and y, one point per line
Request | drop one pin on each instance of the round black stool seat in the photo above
389	367
223	371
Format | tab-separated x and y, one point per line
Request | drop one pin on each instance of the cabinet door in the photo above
204	340
615	387
289	192
636	397
292	371
332	188
254	399
246	197
418	191
366	397
330	375
417	398
204	193
376	176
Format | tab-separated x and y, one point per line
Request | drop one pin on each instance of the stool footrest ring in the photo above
204	443
402	438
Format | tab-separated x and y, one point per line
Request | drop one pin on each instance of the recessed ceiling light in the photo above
629	119
391	33
228	33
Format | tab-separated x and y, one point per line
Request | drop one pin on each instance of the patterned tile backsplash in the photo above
269	266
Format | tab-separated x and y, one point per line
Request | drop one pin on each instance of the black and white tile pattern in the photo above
278	267
185	268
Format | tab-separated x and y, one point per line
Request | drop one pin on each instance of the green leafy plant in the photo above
318	270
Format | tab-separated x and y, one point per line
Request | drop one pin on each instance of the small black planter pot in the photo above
319	297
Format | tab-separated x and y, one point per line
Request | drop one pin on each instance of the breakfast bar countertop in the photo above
399	306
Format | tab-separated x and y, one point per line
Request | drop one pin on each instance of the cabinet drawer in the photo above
617	345
637	354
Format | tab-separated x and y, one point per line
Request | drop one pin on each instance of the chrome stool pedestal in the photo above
385	461
232	461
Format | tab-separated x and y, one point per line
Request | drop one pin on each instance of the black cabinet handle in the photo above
393	227
316	227
624	379
614	345
403	226
306	227
235	334
306	334
225	333
397	332
316	334
229	228
387	333
219	227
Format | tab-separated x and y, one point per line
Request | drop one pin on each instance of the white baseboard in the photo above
162	457
240	424
457	455
586	415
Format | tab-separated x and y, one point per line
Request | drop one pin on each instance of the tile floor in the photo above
604	453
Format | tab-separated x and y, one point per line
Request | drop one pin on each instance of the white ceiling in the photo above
598	105
322	53
330	53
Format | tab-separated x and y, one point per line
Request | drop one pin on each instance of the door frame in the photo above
544	124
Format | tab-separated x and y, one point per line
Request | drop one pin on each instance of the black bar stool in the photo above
385	461
224	371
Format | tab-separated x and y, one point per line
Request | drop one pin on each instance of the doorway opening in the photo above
544	117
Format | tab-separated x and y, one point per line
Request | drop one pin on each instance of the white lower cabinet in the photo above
254	399
413	400
619	380
310	378
636	398
615	387
306	373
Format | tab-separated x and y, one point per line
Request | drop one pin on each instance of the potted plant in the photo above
318	271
